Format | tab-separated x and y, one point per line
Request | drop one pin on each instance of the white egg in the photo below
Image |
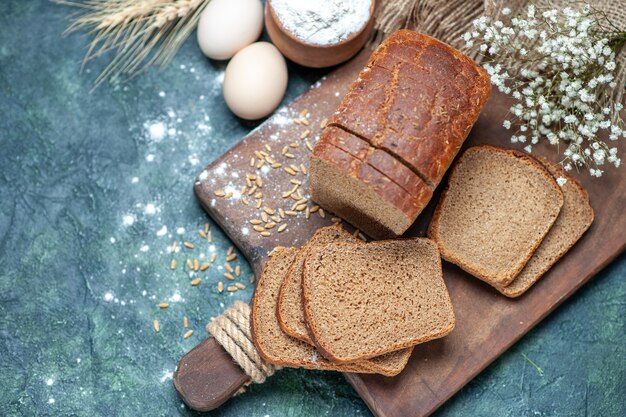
227	26
255	81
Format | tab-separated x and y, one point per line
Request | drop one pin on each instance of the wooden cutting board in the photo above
487	322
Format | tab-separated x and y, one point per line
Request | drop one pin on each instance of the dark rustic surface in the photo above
75	325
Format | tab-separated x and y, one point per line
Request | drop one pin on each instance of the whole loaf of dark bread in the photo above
404	119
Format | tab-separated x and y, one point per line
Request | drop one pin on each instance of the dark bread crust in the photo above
417	99
556	170
381	161
362	110
326	348
450	256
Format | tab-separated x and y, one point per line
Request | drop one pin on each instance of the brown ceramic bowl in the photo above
311	55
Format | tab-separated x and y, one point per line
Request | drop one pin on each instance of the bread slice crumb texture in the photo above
364	300
290	311
279	349
574	219
496	210
356	192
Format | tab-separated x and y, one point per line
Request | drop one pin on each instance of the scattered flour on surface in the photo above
150	209
128	220
175	298
233	190
282	118
221	170
167	375
204	128
193	159
172	146
156	130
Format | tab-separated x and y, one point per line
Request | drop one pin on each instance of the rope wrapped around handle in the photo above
232	331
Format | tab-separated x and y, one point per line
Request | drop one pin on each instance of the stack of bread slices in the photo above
506	217
341	304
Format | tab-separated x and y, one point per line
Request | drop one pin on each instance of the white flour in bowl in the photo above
322	22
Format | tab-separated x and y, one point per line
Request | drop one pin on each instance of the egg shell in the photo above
227	26
255	81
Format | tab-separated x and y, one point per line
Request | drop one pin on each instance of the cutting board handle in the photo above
207	376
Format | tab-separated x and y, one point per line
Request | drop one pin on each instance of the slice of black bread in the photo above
277	348
574	219
290	311
498	206
364	300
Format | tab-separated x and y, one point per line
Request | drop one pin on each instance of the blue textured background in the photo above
79	288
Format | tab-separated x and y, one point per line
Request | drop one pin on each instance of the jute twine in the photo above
448	20
232	331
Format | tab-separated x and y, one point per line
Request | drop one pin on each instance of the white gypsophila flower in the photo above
552	138
562	91
595	172
561	181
